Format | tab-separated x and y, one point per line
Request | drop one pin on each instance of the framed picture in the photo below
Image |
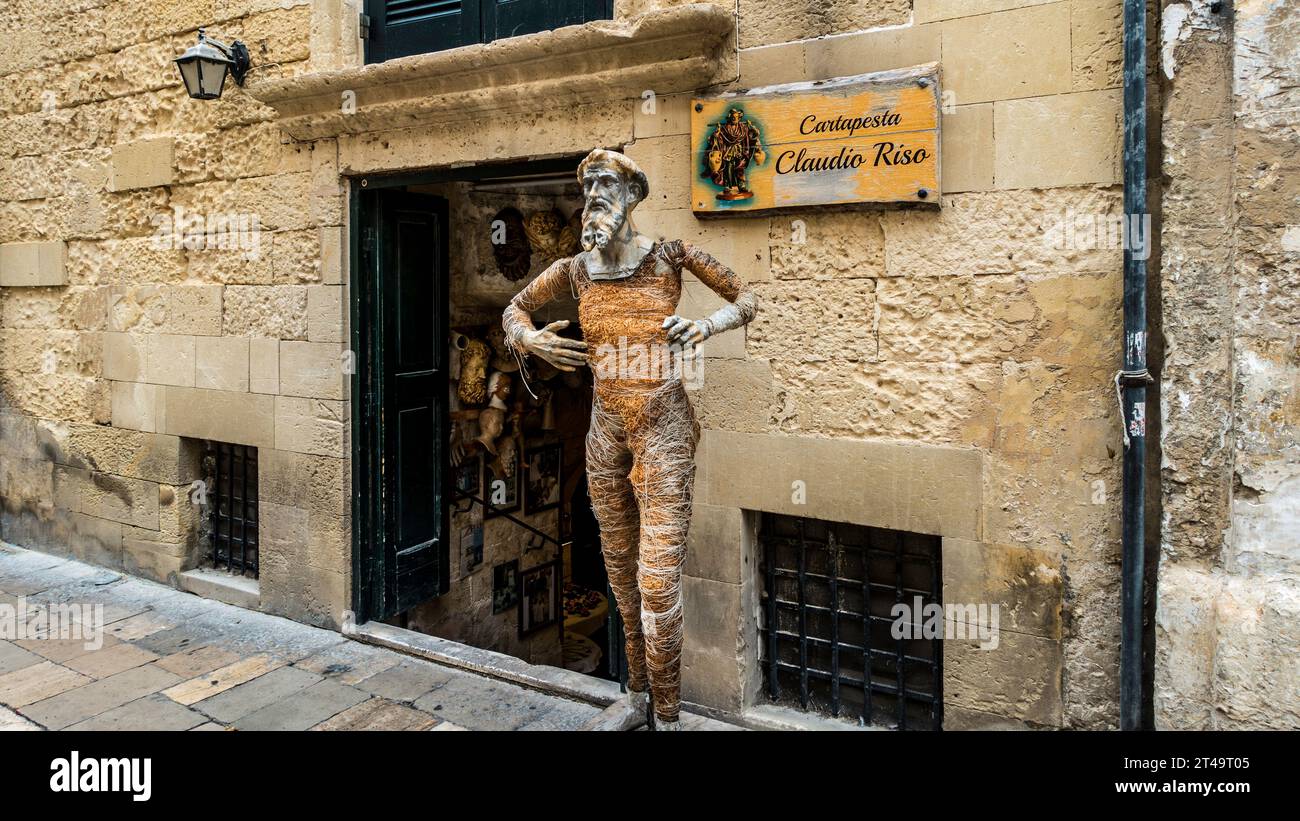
469	475
505	592
539	597
501	492
468	528
544	477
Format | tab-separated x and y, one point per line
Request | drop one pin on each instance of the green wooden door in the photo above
399	28
404	379
402	27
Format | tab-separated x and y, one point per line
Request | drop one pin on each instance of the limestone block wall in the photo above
941	371
171	274
1229	593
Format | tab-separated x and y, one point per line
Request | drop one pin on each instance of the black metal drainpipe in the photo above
1132	380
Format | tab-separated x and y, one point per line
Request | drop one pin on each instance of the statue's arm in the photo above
742	302
517	320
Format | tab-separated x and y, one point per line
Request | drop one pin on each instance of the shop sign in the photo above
871	138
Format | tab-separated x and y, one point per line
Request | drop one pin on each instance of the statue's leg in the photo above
663	443
609	461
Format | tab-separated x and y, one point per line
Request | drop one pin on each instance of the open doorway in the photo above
472	519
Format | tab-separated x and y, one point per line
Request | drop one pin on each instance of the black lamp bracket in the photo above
237	52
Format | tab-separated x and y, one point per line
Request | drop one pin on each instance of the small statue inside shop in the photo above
641	443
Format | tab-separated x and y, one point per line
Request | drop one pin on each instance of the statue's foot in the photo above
667	726
623	715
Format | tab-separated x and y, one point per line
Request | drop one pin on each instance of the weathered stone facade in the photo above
1228	588
946	371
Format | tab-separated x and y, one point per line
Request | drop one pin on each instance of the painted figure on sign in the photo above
641	443
733	145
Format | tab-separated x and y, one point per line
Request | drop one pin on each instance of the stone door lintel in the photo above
665	51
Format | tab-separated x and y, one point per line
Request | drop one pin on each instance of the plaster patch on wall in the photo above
1291	239
1173	30
1176	25
1267	52
1266	528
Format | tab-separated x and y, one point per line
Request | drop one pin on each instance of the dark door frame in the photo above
367	516
373	582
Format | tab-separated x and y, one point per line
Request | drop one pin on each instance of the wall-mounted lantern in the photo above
205	64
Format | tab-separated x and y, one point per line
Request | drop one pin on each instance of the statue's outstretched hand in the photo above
686	332
564	354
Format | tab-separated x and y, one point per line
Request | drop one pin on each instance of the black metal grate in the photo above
233	504
829	589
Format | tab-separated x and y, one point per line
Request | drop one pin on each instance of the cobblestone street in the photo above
174	661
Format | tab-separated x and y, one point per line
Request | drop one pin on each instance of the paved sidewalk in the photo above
174	661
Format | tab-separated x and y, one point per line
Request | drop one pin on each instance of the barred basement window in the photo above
232	505
829	589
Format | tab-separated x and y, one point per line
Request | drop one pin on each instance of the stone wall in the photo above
944	371
143	344
950	369
1229	593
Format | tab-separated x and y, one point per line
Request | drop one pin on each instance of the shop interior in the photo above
526	577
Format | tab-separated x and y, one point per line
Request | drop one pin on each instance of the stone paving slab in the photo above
38	682
447	726
139	626
379	714
569	715
97	697
60	651
221	680
692	722
237	702
406	681
94	591
197	661
13	657
23	587
110	660
350	662
153	712
305	709
12	722
21	561
174	640
247	633
484	704
113	613
29	578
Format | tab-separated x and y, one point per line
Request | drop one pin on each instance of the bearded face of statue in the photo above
610	198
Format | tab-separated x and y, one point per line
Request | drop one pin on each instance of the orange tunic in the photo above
622	319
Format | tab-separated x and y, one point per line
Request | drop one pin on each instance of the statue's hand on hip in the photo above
564	354
687	332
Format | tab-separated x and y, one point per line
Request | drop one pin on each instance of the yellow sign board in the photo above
872	138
